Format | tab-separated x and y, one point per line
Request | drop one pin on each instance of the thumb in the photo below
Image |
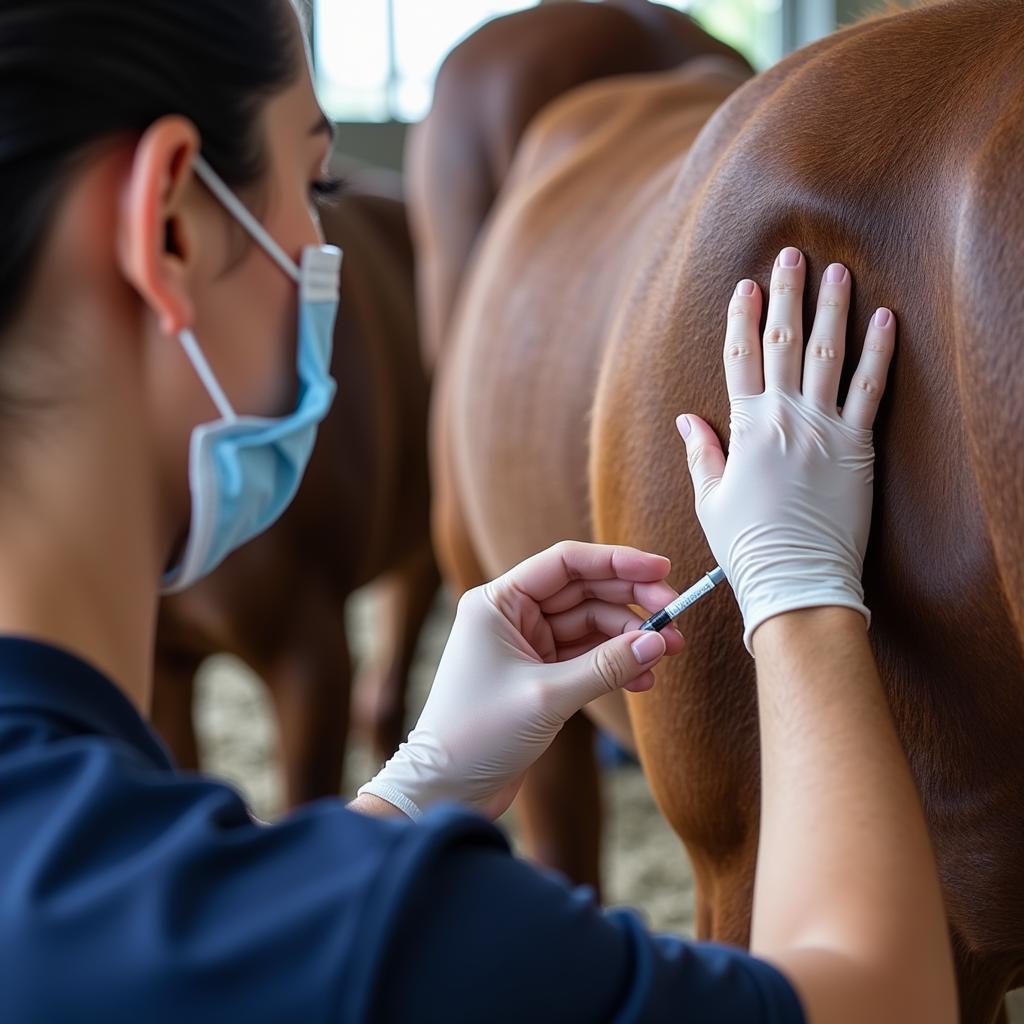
704	455
608	667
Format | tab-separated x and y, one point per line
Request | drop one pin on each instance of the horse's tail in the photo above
488	91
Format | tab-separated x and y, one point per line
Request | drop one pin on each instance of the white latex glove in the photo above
787	516
526	652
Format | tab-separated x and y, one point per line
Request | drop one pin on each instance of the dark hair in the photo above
74	72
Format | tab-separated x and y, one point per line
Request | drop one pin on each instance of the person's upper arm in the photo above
483	936
155	897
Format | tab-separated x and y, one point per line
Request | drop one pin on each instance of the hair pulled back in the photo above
76	72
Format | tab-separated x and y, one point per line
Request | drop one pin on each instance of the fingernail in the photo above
745	288
790	257
684	426
648	647
835	273
881	317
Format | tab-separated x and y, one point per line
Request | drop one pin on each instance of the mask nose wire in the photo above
237	209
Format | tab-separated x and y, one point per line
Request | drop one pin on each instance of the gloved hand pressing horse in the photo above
787	516
526	652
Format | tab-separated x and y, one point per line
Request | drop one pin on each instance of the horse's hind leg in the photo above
982	984
171	709
309	677
404	598
559	806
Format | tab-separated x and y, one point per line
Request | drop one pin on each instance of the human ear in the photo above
157	246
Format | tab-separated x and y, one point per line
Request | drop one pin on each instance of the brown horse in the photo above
592	312
459	159
362	514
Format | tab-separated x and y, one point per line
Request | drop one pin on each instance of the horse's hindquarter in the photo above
585	197
862	149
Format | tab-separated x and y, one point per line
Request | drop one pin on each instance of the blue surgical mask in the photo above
245	470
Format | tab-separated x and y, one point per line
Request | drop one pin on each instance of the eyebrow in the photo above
323	127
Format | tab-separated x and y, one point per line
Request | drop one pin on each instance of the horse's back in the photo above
489	89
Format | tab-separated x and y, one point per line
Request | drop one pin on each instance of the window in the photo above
376	60
754	27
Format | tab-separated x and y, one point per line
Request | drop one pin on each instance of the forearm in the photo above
845	868
374	807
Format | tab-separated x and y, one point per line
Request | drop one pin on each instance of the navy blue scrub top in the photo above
132	892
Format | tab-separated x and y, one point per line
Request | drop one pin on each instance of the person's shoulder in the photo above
107	856
491	937
727	982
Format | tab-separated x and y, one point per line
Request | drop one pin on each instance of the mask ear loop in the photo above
202	368
237	209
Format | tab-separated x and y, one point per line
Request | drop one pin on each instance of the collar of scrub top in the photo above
40	678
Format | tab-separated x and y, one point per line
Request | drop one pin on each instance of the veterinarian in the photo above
167	311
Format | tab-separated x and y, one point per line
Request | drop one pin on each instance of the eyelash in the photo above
325	191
